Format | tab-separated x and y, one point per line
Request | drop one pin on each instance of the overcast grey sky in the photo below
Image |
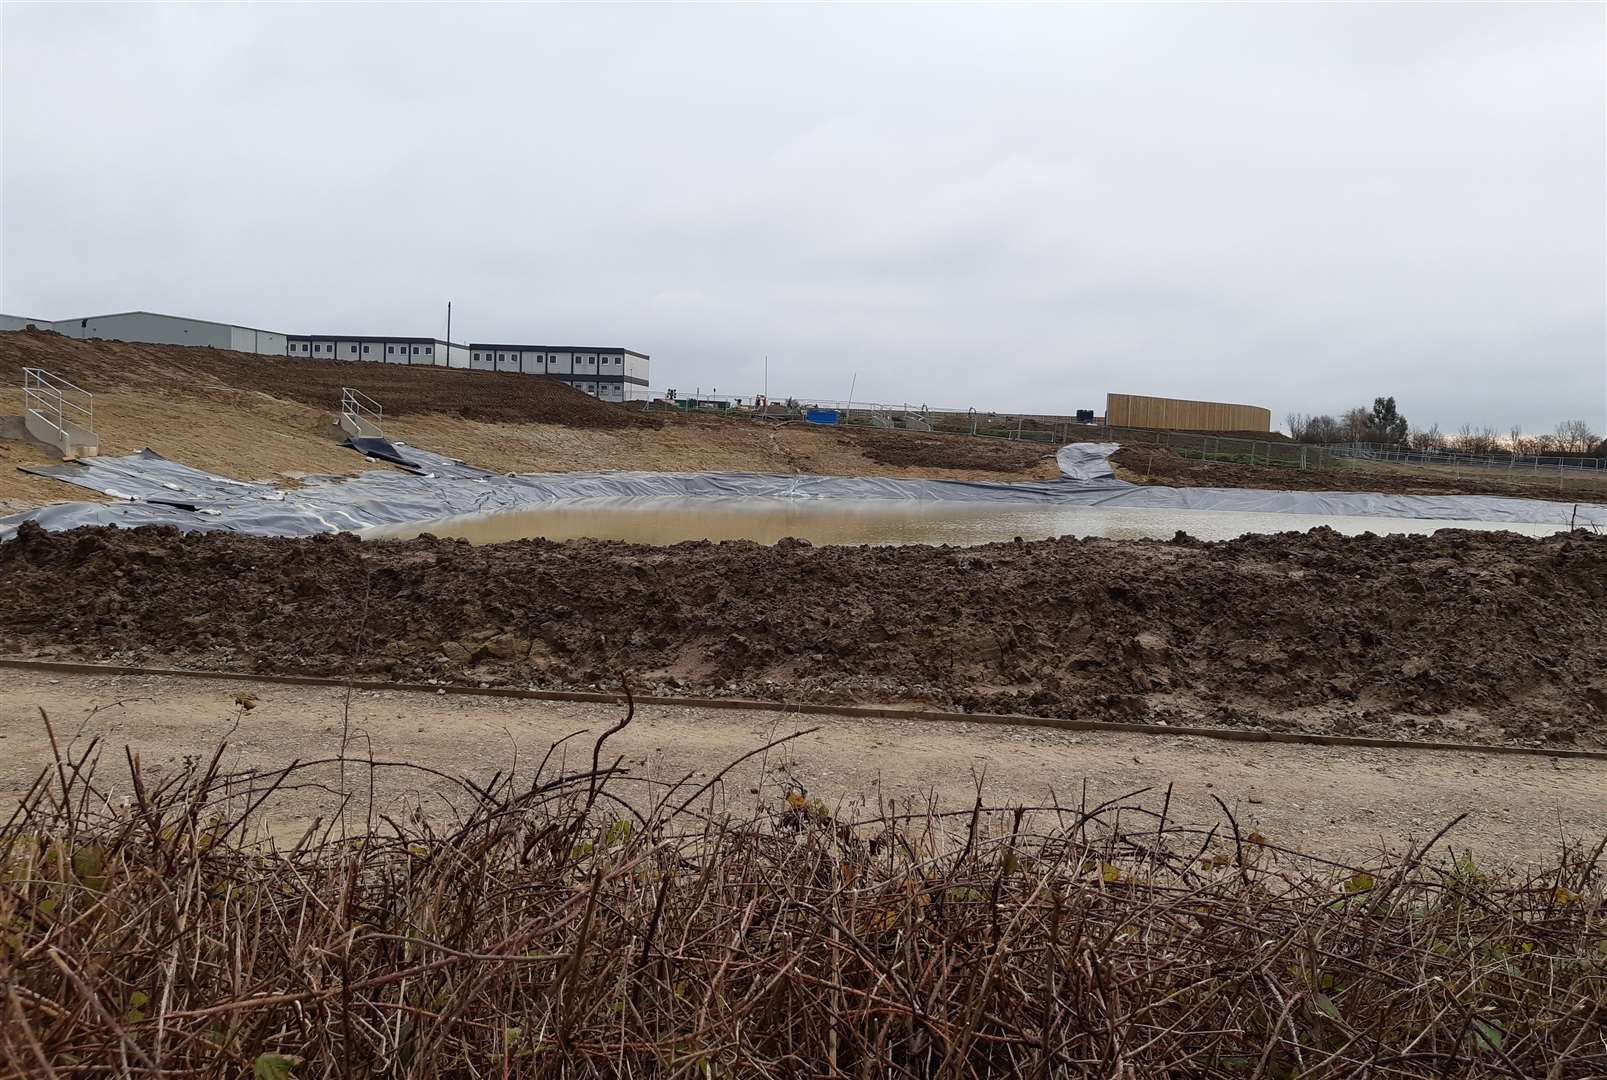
1017	207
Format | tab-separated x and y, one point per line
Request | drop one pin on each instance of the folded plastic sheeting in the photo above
1088	461
149	477
161	492
412	458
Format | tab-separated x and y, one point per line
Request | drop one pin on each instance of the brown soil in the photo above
101	366
924	450
1163	465
256	418
705	443
259	418
19	491
1463	635
1341	802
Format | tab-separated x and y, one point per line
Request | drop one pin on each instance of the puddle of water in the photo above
673	520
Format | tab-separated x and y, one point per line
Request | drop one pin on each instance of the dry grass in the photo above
1589	485
589	923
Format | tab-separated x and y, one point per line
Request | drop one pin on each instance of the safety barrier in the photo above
58	412
360	415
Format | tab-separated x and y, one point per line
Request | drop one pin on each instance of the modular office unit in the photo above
603	373
429	352
607	373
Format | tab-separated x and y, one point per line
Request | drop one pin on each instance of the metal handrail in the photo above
361	409
56	401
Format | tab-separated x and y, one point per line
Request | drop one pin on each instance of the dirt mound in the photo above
921	450
404	390
1459	635
1163	465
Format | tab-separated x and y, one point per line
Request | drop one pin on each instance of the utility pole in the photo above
767	385
849	418
449	333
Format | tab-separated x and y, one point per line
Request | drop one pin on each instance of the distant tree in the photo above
1575	437
1358	424
1472	440
1386	422
1431	438
1324	429
1523	445
1298	424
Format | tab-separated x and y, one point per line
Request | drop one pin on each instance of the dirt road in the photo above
1343	803
1458	636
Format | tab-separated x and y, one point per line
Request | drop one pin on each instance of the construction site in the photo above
1244	667
803	541
1039	599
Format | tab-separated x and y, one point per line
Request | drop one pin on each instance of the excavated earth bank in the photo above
1483	636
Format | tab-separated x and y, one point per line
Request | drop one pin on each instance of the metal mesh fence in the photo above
1568	476
1571	476
1534	464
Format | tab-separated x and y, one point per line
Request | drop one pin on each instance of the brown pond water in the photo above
673	520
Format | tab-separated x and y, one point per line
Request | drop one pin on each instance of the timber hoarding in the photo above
1178	414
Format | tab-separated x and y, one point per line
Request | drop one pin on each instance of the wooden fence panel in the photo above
1177	414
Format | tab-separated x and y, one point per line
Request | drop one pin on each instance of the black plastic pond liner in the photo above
156	491
149	477
381	449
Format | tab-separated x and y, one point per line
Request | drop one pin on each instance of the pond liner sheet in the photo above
371	446
411	458
156	491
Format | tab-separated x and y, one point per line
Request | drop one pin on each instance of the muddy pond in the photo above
647	520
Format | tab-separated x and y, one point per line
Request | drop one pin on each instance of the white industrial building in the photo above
153	329
362	348
609	373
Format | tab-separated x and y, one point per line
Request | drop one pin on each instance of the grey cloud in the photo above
1014	207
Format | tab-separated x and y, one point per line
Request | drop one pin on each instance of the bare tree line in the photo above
1374	425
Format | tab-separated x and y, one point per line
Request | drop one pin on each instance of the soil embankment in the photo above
271	418
1164	466
1462	635
99	366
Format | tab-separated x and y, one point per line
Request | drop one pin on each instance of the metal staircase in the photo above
361	416
59	414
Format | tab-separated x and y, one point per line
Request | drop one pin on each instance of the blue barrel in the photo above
821	416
